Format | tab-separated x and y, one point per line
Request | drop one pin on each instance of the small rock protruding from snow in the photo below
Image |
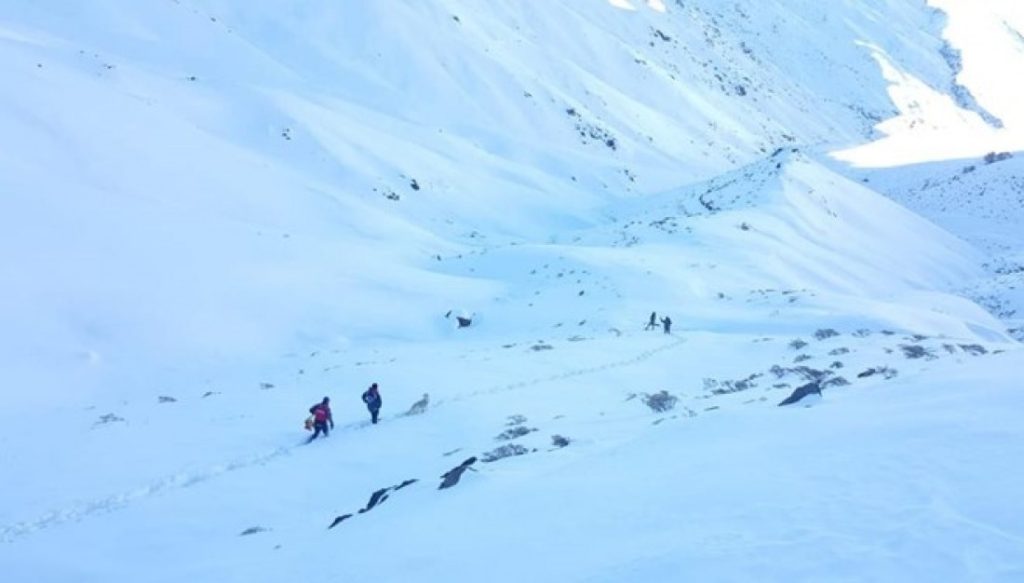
806	394
462	321
452	476
338	520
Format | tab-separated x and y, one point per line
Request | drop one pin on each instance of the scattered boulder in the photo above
835	382
109	418
886	372
974	349
452	476
408	482
166	399
825	333
811	392
914	351
376	498
461	321
661	402
514	432
338	520
509	450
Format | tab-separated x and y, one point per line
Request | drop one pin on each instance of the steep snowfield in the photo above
230	157
982	201
213	212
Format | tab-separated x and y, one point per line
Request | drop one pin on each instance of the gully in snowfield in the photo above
321	415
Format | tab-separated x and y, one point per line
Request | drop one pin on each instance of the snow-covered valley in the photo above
213	213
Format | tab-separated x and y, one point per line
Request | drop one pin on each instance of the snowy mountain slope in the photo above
245	125
784	224
981	201
702	488
976	112
213	213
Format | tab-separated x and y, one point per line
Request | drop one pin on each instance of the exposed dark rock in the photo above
338	520
376	498
252	530
835	382
509	450
915	351
975	349
452	476
109	418
514	432
660	402
802	392
559	441
405	483
825	333
885	371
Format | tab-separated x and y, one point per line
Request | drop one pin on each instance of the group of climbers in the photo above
321	421
666	323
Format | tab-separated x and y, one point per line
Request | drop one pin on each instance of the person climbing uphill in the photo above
653	323
667	323
321	418
373	401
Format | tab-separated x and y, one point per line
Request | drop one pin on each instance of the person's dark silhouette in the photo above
653	323
666	322
373	401
321	418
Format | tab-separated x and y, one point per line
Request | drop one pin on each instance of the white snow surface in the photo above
215	212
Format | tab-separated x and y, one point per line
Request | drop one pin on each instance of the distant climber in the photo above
322	417
373	401
653	323
666	322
